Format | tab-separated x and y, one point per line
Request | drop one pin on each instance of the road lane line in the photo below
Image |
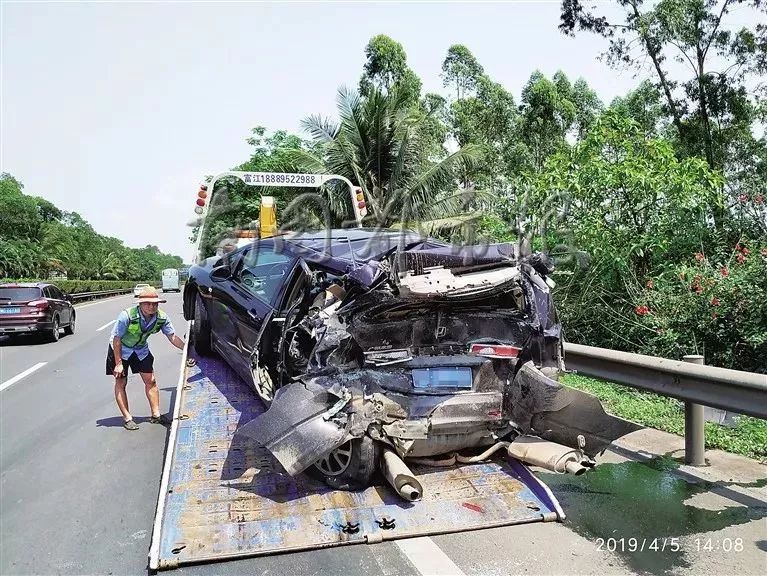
107	325
18	377
427	557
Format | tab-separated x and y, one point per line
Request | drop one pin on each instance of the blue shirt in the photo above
121	327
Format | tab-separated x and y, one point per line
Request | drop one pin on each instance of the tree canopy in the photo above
37	238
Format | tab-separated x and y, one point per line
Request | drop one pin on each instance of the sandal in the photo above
130	425
161	419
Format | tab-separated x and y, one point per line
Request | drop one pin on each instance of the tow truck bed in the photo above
221	497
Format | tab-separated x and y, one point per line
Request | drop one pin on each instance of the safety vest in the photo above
135	336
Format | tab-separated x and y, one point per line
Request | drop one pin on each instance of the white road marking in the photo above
427	557
107	325
18	377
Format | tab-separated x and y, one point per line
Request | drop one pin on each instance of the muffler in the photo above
548	455
400	477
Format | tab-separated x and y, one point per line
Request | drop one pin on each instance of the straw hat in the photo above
149	295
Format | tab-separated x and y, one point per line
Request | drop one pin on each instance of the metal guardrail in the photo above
741	392
87	295
692	382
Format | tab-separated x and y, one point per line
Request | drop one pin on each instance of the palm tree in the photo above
379	146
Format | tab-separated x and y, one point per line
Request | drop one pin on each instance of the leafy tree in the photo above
488	120
629	200
19	216
37	237
643	106
552	110
461	69
378	145
588	106
386	68
708	101
434	129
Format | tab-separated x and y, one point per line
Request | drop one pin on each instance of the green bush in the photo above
714	305
80	286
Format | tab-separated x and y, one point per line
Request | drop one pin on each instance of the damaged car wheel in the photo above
351	466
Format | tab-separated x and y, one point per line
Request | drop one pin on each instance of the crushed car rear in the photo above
426	352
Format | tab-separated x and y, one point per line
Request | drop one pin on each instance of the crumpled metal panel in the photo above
229	498
296	430
561	414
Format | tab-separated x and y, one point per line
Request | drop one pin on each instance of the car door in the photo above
64	305
260	281
54	304
221	297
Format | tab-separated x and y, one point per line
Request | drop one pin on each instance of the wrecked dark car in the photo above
376	348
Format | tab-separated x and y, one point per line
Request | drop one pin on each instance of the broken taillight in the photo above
494	350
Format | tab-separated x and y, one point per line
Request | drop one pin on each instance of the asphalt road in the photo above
78	492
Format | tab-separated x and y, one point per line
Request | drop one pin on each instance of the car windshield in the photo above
19	294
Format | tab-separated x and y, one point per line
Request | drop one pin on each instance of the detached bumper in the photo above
297	429
543	407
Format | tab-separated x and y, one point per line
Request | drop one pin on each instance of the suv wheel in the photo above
71	328
53	335
201	329
350	466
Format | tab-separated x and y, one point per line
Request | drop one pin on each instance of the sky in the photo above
115	110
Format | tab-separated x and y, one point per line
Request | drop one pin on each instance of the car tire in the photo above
351	466
70	329
53	334
201	334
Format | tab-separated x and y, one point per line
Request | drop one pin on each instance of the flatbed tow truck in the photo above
222	496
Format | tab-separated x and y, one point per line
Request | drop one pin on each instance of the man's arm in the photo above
118	331
170	332
117	349
176	341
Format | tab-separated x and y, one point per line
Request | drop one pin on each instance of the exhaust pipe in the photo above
400	477
548	455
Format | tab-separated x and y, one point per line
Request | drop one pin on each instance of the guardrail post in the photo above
694	431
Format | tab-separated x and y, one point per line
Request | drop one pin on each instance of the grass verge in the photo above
747	438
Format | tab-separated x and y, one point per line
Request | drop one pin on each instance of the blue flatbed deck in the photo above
222	497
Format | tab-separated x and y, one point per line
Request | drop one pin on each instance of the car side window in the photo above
55	293
47	293
263	272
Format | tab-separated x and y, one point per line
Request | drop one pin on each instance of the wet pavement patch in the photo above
637	510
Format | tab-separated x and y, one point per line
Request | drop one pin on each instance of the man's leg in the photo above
152	393
122	397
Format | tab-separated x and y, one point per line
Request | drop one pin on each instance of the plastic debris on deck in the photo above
227	498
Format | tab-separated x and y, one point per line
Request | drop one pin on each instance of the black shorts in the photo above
146	365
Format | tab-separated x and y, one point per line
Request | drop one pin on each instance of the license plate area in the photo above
10	310
443	377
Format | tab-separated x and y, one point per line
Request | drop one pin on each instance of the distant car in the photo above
35	308
139	287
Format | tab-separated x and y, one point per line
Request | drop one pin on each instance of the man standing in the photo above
128	343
